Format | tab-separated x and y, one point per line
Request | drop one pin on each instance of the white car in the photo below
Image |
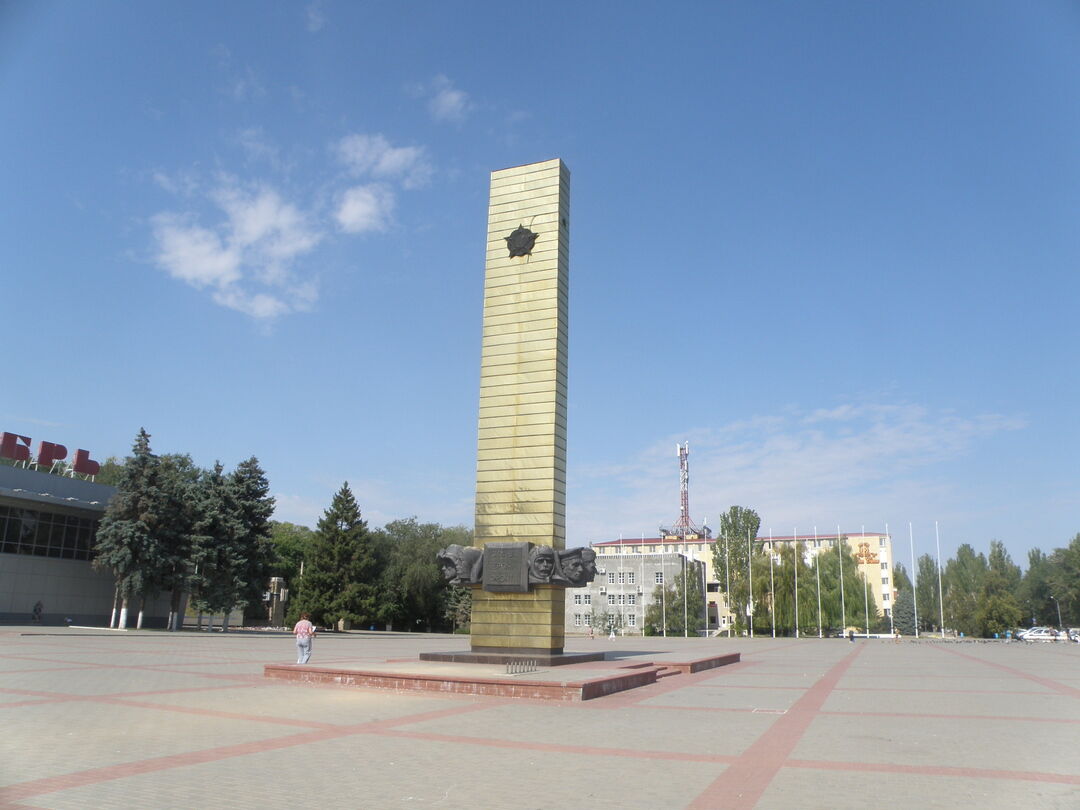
1041	634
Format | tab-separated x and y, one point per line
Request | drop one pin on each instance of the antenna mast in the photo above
684	526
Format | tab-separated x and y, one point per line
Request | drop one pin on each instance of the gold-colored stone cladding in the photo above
521	446
526	621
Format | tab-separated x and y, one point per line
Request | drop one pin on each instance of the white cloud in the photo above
365	208
447	103
856	464
246	259
315	17
374	155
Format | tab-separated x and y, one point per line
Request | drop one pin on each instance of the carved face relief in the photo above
541	564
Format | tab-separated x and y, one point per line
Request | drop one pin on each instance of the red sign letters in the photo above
17	448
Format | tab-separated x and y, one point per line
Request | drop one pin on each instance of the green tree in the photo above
732	558
340	579
900	578
457	607
1064	583
679	607
254	508
412	590
217	557
1035	596
904	612
292	544
179	482
927	593
963	583
126	533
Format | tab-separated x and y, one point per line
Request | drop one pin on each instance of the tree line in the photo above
173	528
976	594
983	595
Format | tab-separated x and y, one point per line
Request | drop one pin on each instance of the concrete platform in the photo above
582	682
543	659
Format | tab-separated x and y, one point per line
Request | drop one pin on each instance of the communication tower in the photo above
684	528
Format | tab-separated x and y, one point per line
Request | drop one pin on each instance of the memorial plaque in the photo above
506	567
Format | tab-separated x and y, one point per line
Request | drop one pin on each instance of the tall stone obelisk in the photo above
521	454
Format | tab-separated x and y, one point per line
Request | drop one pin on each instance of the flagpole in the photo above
727	581
817	573
796	566
843	605
750	578
940	592
914	575
772	585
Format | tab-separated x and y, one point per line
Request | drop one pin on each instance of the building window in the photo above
611	578
881	543
577	598
611	599
885	597
622	578
588	599
577	620
631	599
884	580
588	619
631	620
28	531
884	566
659	578
622	599
630	578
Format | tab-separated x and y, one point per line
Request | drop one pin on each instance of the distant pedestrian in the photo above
304	632
39	612
851	636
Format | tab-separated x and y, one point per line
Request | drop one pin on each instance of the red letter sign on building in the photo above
15	447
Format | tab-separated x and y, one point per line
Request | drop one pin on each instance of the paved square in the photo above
93	719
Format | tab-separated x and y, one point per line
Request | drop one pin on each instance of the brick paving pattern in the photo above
93	719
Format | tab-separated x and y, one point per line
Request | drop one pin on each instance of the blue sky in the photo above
832	245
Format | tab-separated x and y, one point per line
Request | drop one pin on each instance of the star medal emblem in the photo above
521	241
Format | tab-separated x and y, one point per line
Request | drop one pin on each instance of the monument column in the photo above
521	452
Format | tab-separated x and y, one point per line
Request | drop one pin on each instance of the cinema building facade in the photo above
48	524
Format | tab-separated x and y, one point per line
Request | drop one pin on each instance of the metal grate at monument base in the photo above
522	667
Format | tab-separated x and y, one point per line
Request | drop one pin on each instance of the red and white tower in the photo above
684	526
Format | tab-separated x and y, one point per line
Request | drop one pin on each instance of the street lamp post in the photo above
1056	602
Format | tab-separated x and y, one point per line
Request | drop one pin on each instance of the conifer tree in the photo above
254	508
340	578
125	535
216	554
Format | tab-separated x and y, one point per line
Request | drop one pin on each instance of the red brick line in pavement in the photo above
920	716
744	781
51	784
934	770
1056	686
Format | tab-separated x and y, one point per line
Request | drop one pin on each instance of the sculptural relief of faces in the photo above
541	564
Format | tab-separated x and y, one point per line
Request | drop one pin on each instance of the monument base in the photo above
495	655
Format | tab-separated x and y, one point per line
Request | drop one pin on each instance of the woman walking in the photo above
304	632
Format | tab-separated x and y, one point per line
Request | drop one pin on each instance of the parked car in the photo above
1074	634
1041	634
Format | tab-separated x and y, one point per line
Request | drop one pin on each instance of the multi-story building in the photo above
872	552
623	590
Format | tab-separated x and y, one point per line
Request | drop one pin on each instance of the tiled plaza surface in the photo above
152	720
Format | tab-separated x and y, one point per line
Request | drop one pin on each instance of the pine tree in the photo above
125	535
216	555
340	578
254	508
904	612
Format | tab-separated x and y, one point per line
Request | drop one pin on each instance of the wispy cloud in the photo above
448	103
365	208
316	19
857	463
375	156
245	258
